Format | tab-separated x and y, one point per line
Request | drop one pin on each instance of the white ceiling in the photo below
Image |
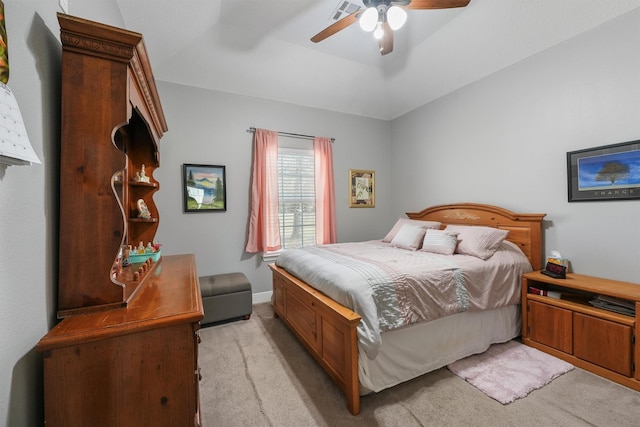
261	48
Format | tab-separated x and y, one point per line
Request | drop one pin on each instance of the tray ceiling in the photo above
261	48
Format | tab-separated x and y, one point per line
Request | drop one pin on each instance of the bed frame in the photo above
328	329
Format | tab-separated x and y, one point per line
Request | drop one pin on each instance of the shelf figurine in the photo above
125	255
143	210
143	175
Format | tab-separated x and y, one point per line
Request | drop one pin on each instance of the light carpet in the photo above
256	373
509	371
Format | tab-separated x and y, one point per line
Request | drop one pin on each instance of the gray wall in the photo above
209	127
28	212
502	141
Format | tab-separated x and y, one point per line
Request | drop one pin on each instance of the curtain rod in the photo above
293	135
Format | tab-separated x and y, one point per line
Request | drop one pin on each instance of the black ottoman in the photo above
225	296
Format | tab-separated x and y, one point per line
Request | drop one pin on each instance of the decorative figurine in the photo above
143	210
117	269
143	175
125	255
141	248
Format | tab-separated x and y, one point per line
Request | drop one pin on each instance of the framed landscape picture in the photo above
362	188
204	188
610	172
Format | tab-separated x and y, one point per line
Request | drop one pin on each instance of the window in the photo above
297	181
297	197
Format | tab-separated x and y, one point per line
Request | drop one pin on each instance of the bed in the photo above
413	343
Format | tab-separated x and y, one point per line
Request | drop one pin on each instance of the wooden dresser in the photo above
126	350
132	366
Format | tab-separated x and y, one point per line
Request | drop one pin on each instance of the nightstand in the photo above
569	327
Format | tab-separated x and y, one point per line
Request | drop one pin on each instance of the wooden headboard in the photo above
525	229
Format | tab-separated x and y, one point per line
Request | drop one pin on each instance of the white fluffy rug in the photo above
509	371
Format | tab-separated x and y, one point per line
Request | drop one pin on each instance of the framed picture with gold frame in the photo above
362	188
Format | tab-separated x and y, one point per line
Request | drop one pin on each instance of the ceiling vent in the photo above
343	9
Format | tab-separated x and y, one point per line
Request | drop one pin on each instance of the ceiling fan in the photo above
383	17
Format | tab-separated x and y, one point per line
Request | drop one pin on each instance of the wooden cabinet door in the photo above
551	326
637	343
605	343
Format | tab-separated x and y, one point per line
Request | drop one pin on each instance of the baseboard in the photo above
262	297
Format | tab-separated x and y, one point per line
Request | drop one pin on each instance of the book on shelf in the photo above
544	292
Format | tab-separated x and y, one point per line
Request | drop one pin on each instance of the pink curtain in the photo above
264	228
325	191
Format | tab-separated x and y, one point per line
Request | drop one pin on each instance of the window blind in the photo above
297	197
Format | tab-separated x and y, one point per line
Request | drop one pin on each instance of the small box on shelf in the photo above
138	258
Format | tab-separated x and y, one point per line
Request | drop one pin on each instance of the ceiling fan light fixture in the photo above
379	31
396	17
369	19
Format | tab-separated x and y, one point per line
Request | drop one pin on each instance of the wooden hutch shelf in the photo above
112	121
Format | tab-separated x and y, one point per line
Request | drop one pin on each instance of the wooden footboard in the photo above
326	328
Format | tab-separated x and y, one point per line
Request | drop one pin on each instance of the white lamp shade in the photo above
396	17
15	147
369	19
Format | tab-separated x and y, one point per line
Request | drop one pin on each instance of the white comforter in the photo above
392	288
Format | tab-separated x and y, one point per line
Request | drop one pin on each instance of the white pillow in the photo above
402	221
440	242
409	237
478	241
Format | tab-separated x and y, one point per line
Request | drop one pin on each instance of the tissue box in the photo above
559	261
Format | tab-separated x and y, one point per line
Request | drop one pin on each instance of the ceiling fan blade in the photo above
386	42
336	26
436	4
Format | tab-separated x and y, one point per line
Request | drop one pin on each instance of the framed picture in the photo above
610	172
362	188
204	188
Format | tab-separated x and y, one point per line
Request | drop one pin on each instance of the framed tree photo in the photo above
362	188
610	172
204	188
